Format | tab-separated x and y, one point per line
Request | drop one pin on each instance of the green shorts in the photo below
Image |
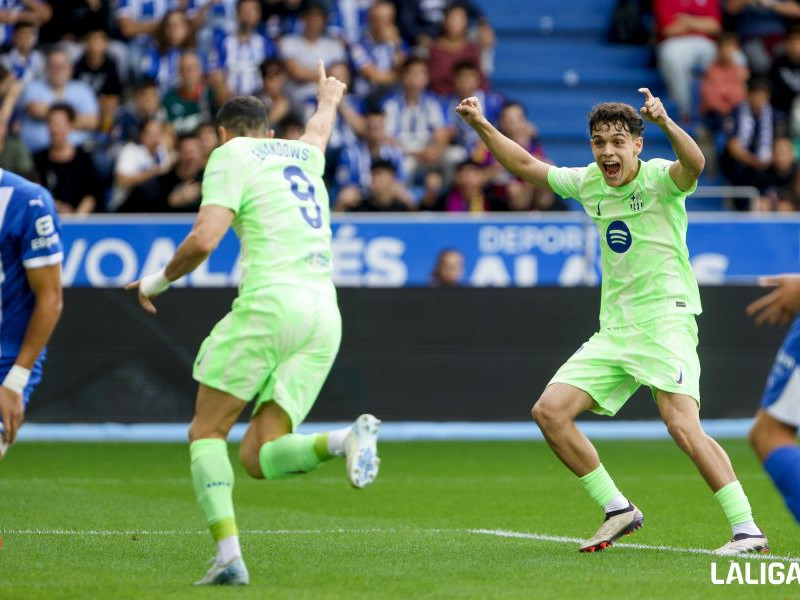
277	344
611	366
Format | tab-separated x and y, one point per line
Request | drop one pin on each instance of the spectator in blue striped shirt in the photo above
353	173
239	56
213	20
23	60
415	119
139	19
349	19
466	83
380	52
35	12
162	58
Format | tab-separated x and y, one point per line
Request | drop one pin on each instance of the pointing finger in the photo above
322	75
646	91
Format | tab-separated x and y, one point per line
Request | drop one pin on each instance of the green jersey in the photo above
282	215
642	226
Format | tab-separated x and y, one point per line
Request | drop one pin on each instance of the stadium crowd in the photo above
110	105
732	68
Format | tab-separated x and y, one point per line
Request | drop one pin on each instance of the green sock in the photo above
734	503
212	475
600	486
293	454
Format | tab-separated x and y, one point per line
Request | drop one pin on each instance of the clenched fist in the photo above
470	110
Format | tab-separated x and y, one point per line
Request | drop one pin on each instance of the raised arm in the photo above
320	125
508	153
690	163
209	228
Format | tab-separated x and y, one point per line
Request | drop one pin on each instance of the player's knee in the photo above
767	434
684	432
546	414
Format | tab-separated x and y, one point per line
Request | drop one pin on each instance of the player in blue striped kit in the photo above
774	432
30	293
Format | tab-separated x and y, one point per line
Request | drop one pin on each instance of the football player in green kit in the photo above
648	333
280	339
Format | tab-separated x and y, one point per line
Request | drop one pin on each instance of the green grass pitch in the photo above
120	521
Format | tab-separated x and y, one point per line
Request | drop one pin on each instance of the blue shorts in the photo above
6	362
782	395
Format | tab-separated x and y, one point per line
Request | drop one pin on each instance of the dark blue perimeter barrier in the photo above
407	355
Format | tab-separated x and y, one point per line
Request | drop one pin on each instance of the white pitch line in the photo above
540	537
112	532
559	539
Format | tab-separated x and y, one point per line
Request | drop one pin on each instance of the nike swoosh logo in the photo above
598	209
679	380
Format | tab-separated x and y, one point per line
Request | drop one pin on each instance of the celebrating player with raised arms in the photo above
30	294
648	333
279	341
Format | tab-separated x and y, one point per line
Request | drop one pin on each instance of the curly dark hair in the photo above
615	114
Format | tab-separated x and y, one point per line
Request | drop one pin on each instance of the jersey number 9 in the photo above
303	190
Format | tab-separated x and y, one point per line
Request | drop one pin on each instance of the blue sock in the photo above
783	466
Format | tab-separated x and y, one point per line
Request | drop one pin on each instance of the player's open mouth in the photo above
611	168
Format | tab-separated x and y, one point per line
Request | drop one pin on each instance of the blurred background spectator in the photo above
140	162
724	84
66	170
379	52
176	190
686	30
384	193
235	62
99	70
14	154
415	119
748	153
273	94
191	101
785	73
23	60
172	37
57	86
301	52
448	271
451	48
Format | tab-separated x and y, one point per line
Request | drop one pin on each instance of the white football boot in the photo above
233	572
361	451
744	543
617	523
